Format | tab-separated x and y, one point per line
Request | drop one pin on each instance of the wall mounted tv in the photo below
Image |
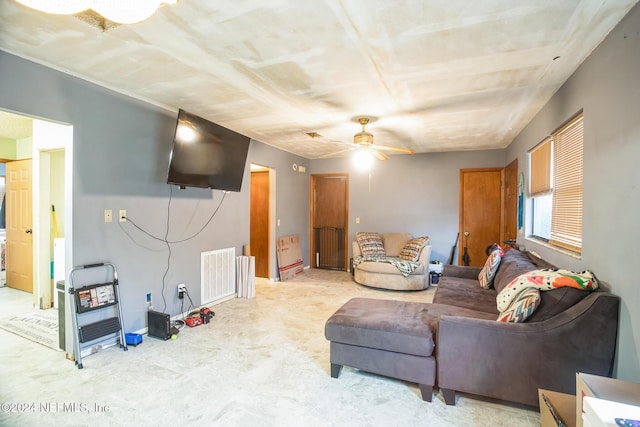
206	155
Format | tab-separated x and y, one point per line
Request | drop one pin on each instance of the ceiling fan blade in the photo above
335	153
394	149
378	155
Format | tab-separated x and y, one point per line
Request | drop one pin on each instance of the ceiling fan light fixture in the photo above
362	158
120	11
363	137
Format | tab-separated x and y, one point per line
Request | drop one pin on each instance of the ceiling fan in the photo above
364	141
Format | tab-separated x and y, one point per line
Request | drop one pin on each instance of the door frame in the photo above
312	207
506	203
272	217
47	137
271	254
462	236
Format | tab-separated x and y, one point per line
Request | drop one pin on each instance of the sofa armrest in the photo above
461	271
355	249
511	361
425	257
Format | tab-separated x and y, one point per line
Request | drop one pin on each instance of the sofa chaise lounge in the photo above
457	344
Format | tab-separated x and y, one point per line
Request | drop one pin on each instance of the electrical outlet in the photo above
123	215
108	215
182	289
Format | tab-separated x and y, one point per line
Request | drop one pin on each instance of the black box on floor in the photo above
158	325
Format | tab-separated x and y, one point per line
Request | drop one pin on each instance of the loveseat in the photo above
376	257
457	344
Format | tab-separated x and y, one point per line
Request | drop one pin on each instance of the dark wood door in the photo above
329	221
510	215
480	213
259	238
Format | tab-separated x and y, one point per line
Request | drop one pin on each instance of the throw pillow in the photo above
411	250
522	307
488	272
370	244
545	280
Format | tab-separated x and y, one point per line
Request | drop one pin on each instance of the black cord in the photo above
169	242
129	220
166	235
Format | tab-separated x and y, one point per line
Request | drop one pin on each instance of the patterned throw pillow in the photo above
370	244
488	272
411	251
546	280
522	307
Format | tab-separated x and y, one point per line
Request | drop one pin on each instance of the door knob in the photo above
28	231
466	234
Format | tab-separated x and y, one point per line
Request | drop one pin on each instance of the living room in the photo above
121	144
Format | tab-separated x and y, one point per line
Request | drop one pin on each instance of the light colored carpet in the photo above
260	362
39	326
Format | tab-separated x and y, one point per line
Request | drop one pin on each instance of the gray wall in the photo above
120	161
416	193
121	149
606	86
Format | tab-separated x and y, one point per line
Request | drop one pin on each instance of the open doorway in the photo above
262	229
48	147
329	220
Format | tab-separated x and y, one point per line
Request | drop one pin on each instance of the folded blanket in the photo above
545	280
405	267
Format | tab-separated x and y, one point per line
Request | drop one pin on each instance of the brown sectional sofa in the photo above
456	343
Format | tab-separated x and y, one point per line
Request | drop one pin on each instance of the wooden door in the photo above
510	215
480	213
329	195
19	249
259	239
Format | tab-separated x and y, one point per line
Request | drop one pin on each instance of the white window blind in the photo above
566	217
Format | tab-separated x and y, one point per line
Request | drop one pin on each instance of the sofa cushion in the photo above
411	250
394	242
466	293
539	262
397	326
555	302
522	307
370	244
512	265
490	268
386	268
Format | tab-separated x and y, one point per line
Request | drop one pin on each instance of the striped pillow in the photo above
370	244
411	250
490	268
522	307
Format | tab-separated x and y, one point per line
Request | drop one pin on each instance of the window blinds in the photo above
540	182
566	217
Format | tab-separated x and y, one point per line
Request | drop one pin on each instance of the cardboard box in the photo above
604	388
603	413
564	405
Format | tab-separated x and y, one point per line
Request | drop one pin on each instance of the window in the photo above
556	170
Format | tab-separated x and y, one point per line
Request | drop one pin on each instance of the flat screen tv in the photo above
206	155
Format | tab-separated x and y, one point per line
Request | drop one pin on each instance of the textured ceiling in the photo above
13	126
435	75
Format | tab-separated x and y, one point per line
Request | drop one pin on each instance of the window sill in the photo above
554	248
